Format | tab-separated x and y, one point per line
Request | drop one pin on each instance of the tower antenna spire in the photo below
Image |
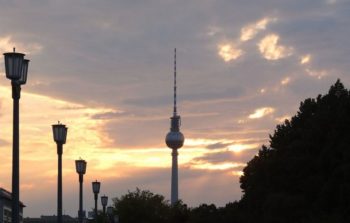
175	109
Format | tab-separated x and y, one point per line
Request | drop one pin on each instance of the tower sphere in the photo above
174	140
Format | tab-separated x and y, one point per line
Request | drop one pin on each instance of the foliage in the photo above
305	173
179	213
141	207
204	214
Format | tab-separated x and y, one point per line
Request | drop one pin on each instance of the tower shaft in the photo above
174	178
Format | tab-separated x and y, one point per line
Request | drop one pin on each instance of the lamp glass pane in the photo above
23	78
64	132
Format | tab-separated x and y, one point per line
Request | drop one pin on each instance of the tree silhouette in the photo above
141	206
304	175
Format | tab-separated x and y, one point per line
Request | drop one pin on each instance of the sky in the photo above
105	69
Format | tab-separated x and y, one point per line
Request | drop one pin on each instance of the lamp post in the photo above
16	68
59	136
110	214
104	201
80	166
96	189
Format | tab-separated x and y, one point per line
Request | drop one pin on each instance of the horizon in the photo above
105	70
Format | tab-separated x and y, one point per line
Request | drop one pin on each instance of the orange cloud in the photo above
305	59
229	52
240	147
217	166
282	118
319	74
285	81
271	50
250	31
261	112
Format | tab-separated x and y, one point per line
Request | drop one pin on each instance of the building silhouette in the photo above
6	207
174	140
51	219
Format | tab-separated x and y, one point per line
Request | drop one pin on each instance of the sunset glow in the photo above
105	69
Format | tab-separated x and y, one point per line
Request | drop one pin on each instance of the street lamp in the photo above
16	68
80	166
104	201
110	210
59	136
110	214
96	189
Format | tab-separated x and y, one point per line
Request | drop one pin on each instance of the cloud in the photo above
218	166
7	44
305	59
218	145
229	52
316	73
271	50
250	31
238	148
282	118
226	157
285	81
109	115
261	112
213	30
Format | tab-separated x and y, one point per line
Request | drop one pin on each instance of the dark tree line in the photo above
143	206
302	176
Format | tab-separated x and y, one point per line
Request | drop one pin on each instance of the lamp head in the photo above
104	200
96	187
59	133
14	65
80	166
110	210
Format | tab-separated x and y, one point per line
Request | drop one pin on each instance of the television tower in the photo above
174	140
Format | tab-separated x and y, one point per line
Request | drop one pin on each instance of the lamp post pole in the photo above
95	197
59	136
110	214
59	183
96	189
16	92
104	201
80	166
16	70
80	198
